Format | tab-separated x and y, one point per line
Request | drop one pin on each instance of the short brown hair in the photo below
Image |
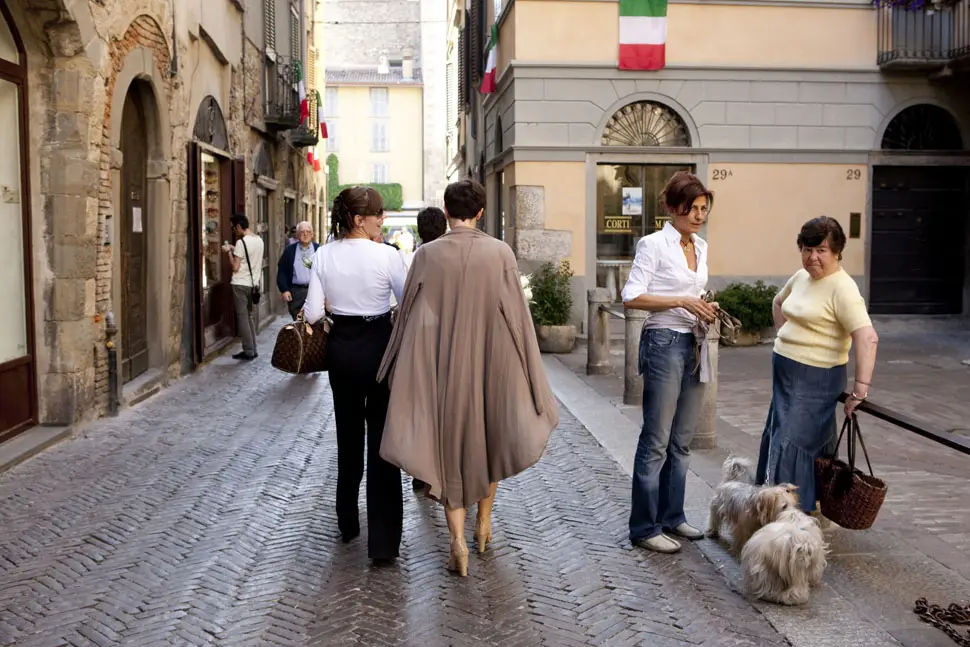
464	199
819	230
682	189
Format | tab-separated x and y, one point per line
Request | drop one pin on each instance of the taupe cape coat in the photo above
470	402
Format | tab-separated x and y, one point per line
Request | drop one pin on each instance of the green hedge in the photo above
749	303
392	194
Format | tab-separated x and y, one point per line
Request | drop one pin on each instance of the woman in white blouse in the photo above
668	279
355	277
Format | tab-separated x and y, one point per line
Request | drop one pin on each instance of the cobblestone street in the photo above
204	516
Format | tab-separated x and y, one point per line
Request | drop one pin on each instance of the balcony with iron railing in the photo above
923	35
282	109
307	133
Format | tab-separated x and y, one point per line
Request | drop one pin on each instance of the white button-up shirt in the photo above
660	270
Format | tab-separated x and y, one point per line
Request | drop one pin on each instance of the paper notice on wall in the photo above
136	225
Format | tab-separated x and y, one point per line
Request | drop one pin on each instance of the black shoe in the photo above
380	562
418	485
348	537
244	356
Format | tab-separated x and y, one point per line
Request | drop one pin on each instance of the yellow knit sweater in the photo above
821	316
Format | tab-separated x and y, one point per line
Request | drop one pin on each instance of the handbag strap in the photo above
858	434
252	277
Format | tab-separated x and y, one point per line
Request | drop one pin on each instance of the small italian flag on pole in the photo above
320	116
643	34
301	89
488	80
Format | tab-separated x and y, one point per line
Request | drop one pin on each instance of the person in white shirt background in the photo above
668	279
353	277
247	264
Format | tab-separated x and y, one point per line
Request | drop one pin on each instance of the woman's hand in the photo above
700	308
852	402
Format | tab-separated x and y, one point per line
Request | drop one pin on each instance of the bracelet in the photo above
859	398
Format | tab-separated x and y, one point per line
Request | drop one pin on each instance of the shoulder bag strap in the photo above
858	434
252	277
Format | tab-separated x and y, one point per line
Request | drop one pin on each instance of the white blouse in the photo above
660	269
354	277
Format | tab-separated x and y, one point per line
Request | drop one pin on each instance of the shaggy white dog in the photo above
745	507
782	561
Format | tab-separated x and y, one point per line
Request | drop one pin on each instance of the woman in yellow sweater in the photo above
819	315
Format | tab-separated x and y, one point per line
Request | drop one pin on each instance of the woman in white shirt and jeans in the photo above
356	277
668	279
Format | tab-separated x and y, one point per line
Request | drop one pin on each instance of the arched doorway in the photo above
135	225
627	195
919	238
217	190
18	370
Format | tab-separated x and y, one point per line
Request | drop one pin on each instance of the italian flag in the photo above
488	81
643	34
320	116
301	89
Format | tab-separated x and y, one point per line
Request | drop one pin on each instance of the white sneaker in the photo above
659	544
687	531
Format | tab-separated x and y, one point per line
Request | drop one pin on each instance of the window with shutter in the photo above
269	24
477	44
332	104
379	136
463	93
451	110
295	33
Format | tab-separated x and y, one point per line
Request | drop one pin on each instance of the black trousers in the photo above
354	350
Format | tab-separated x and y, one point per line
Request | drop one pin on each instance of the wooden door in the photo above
134	239
919	250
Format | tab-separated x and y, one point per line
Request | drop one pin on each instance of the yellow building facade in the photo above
787	109
375	126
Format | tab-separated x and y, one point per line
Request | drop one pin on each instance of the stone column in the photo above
706	435
598	332
632	382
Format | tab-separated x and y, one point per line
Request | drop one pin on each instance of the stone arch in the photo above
141	59
922	126
671	107
210	126
263	162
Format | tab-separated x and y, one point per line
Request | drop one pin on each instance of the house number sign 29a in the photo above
722	174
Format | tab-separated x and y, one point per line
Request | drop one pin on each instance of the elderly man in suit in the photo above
293	271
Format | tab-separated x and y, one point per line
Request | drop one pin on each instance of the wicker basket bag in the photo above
848	496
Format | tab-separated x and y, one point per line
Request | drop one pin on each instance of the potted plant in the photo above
551	306
751	304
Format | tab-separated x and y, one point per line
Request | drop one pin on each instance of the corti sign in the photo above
617	225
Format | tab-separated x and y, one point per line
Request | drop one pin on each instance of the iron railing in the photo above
282	109
918	427
923	38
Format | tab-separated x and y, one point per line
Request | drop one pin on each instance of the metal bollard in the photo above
598	332
632	382
111	330
706	435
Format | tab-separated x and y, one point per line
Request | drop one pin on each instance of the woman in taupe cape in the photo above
470	401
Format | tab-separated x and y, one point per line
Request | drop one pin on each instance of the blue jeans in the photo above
672	396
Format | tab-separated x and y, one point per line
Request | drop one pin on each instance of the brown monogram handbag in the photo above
301	348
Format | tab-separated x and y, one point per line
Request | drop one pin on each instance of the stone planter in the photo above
556	339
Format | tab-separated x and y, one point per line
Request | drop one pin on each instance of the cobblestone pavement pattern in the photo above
205	517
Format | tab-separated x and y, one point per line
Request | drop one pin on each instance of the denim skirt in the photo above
801	424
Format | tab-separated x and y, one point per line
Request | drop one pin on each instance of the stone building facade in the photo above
113	105
788	109
362	34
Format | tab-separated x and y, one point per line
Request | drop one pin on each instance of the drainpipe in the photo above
111	330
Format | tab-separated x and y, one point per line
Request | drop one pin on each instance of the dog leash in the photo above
944	619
